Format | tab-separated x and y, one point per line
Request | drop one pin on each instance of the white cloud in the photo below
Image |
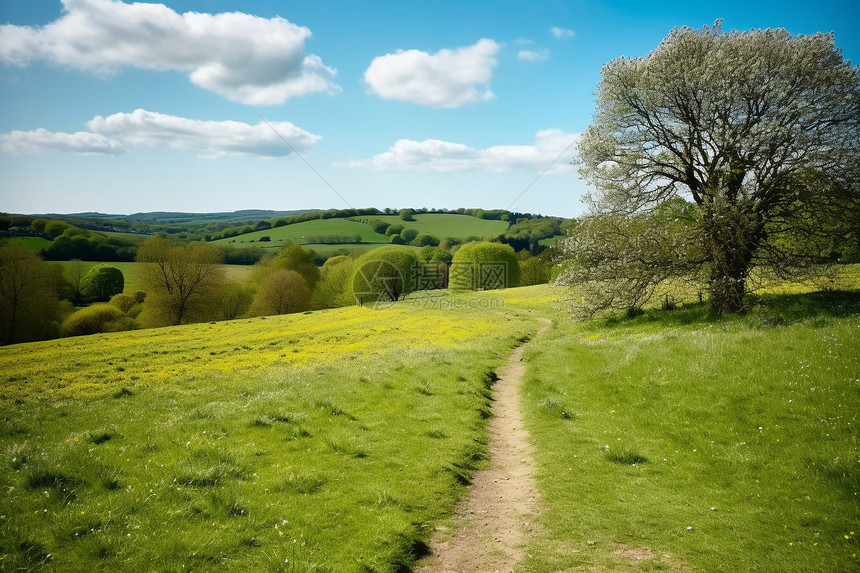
242	57
209	138
141	128
549	149
533	55
42	140
448	78
561	32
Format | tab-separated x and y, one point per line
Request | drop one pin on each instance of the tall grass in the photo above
681	441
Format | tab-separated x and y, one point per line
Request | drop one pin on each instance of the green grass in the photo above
679	441
330	441
301	234
33	243
337	440
448	225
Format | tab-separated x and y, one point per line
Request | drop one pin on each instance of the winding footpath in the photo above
492	524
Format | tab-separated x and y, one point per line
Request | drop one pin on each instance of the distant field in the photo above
33	243
133	238
444	225
302	233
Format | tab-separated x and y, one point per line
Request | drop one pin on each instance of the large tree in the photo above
182	280
28	296
758	130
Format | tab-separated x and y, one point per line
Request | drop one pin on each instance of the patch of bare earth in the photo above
492	523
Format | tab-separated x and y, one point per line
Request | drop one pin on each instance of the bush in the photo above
394	230
425	239
408	235
379	226
295	258
102	282
484	265
383	275
535	270
124	302
281	292
95	319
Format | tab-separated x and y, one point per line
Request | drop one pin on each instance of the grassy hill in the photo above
304	233
337	440
442	225
319	442
445	225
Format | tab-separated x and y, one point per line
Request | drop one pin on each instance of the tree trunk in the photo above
732	234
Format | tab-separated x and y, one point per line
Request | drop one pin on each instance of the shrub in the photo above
102	282
394	230
379	226
425	239
124	302
281	292
295	258
95	319
408	235
383	275
481	266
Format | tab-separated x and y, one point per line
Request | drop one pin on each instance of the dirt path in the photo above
491	525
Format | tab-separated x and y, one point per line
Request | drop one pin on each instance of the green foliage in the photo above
408	235
102	282
528	233
28	296
484	265
535	270
616	261
695	121
55	228
281	292
379	226
407	214
182	281
295	258
383	275
425	239
125	301
394	230
333	289
96	319
233	300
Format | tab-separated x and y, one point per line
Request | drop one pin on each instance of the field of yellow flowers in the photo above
327	441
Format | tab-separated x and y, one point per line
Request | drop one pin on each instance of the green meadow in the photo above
338	440
329	441
448	225
304	232
679	442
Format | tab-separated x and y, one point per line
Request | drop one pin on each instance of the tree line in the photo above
186	282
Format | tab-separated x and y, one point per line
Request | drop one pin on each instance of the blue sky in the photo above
219	105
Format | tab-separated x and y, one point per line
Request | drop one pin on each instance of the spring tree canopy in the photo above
759	131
